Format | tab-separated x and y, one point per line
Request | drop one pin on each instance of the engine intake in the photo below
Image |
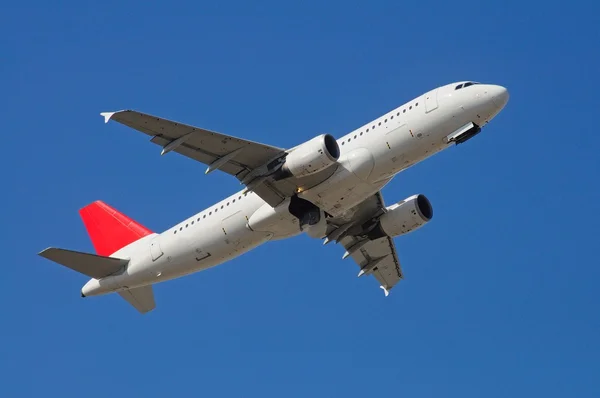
403	217
310	157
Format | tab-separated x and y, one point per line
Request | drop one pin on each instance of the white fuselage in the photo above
370	157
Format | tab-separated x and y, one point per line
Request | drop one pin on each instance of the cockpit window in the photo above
467	84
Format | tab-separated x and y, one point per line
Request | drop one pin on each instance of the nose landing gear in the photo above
463	134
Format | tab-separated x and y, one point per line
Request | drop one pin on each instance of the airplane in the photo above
328	188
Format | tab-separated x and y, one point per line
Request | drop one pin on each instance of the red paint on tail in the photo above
108	229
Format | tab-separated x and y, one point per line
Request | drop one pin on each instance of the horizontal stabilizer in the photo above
88	264
142	298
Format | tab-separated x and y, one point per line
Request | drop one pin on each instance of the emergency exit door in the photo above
431	100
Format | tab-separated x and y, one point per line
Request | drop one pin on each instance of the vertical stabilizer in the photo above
108	229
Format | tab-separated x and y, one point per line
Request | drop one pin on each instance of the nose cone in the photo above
499	96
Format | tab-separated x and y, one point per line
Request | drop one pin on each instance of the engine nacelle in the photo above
311	157
403	217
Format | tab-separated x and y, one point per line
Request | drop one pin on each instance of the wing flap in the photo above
389	271
88	264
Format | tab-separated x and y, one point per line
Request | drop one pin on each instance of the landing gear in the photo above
305	211
469	134
463	134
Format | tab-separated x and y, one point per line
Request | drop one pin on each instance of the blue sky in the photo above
500	296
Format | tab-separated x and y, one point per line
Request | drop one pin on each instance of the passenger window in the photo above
417	104
404	111
392	117
204	216
354	137
175	231
398	114
385	121
210	213
192	222
367	130
361	133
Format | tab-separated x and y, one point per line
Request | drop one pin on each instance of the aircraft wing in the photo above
200	144
248	161
375	257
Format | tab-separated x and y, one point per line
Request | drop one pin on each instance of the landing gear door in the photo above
155	249
431	101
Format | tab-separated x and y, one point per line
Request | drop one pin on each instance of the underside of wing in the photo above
377	257
236	155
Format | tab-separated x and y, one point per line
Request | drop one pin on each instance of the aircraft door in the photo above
431	100
155	249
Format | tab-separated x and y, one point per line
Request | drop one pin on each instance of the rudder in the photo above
108	229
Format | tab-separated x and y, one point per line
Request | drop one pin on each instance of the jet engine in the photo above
309	158
403	217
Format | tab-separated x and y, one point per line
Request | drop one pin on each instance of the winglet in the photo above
107	115
387	292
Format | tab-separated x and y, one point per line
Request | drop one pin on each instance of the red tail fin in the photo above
108	229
